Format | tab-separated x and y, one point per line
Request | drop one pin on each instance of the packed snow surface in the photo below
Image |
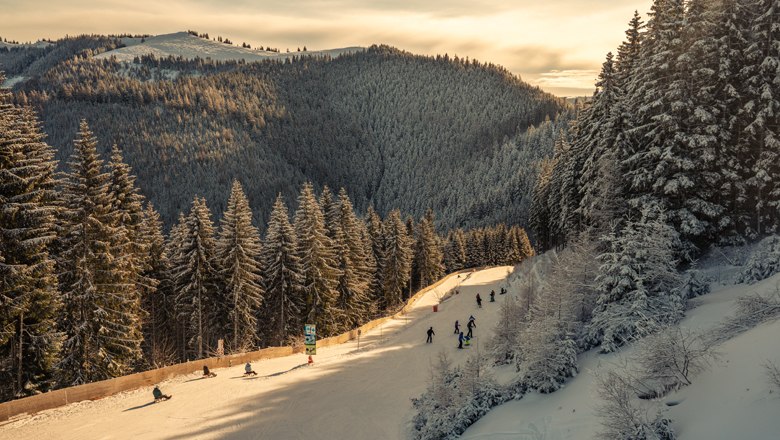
188	46
347	394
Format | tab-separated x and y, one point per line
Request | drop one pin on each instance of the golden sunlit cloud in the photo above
557	45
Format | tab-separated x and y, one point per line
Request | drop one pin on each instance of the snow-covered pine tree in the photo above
29	340
238	253
762	113
283	305
318	264
539	216
455	251
376	235
428	251
638	284
396	260
174	246
159	327
355	266
101	318
195	280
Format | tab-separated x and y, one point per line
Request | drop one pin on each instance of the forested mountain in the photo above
394	129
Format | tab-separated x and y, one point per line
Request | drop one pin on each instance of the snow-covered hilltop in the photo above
188	46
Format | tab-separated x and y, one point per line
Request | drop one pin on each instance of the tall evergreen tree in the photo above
195	278
238	254
429	255
29	300
284	302
396	260
318	264
101	303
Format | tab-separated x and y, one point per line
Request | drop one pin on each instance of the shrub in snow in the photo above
669	360
763	263
773	374
549	356
623	416
694	284
752	310
511	321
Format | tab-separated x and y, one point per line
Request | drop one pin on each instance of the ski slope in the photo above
347	394
185	45
731	401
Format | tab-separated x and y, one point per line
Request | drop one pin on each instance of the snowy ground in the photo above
347	394
189	46
731	401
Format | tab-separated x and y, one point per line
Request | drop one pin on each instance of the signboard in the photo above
310	338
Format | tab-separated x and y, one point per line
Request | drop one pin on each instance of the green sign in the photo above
310	338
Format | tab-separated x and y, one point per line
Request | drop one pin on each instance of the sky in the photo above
558	45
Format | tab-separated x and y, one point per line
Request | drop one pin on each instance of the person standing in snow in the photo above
471	326
460	340
479	301
457	327
492	296
430	336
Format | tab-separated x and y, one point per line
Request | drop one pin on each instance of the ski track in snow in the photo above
347	394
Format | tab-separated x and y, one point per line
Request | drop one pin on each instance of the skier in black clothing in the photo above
430	336
457	327
503	291
479	301
460	340
158	395
207	373
471	326
492	296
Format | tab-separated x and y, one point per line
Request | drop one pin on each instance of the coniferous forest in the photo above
92	287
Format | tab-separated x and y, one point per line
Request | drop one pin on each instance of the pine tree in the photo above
283	279
318	264
540	212
396	260
29	300
195	278
174	248
375	231
355	265
238	253
428	251
101	304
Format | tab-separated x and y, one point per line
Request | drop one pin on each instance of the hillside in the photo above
395	129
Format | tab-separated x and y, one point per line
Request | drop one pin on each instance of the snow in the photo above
38	44
347	394
189	46
12	81
730	401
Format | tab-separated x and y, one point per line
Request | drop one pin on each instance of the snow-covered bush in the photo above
772	370
455	399
752	310
625	417
511	322
669	359
763	263
694	284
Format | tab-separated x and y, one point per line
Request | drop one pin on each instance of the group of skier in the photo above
159	396
471	324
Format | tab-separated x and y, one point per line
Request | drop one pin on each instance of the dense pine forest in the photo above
92	288
396	130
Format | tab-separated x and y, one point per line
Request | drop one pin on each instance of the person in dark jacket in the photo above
457	327
430	336
492	296
479	301
207	373
158	395
460	340
471	326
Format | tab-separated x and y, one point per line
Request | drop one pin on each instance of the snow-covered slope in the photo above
731	401
348	393
189	46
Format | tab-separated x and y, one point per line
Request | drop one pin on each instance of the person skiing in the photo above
502	291
158	395
457	327
479	301
471	326
460	340
430	336
207	373
248	370
492	296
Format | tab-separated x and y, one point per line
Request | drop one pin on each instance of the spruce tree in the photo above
101	318
355	265
238	254
284	303
29	299
376	242
195	278
318	263
429	254
396	260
